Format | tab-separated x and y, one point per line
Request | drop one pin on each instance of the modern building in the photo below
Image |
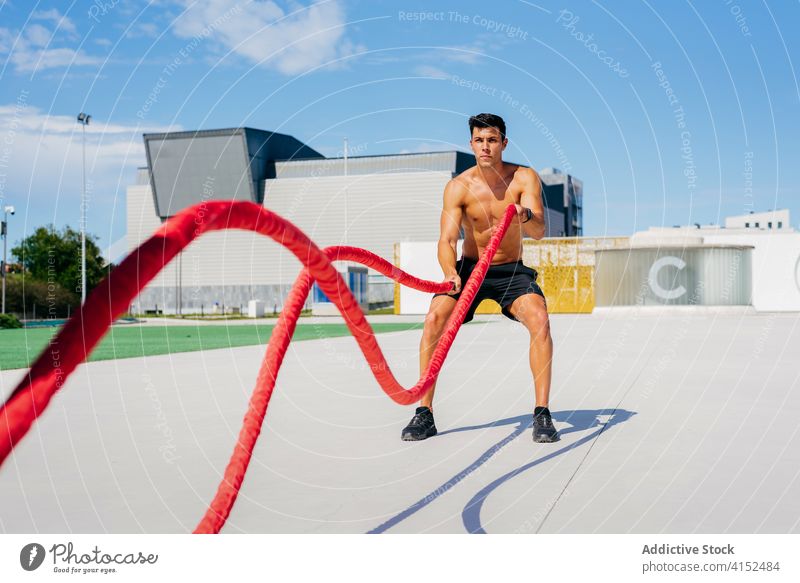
563	199
367	201
740	268
754	260
769	220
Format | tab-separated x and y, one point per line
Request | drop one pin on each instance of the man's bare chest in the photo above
485	208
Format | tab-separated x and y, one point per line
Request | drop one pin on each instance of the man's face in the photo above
487	145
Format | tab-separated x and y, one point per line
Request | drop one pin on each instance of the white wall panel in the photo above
369	211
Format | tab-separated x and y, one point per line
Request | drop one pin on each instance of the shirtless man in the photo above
476	200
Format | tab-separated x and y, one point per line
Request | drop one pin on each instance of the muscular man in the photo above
476	200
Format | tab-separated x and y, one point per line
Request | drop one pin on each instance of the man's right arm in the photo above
452	213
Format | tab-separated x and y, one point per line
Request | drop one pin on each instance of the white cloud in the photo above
40	169
143	30
469	54
430	71
434	56
33	120
32	48
264	33
26	58
6	40
37	35
61	21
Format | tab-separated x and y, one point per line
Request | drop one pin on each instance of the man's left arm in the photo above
531	198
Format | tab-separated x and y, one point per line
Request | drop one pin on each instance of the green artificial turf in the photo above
19	348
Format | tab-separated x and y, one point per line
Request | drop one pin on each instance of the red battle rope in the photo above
112	297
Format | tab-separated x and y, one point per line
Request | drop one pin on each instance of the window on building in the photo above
747	225
780	224
756	225
769	225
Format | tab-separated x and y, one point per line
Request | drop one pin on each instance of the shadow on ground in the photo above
578	420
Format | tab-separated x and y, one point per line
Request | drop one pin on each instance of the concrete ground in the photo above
671	421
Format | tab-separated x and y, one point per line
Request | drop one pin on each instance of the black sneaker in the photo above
543	429
421	426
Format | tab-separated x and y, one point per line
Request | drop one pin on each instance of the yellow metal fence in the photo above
566	272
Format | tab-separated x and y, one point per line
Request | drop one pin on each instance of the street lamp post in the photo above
345	193
4	232
83	119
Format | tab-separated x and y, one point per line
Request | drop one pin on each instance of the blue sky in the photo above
671	113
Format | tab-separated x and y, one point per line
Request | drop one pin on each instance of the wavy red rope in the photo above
112	297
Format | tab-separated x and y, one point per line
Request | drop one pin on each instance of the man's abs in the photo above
509	249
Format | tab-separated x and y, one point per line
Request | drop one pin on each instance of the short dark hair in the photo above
487	120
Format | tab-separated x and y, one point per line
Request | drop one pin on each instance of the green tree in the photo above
35	299
53	256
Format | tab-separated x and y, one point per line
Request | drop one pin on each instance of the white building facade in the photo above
371	202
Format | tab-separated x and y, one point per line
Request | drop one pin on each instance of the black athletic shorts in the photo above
504	283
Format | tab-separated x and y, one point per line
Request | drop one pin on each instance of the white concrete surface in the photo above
671	423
